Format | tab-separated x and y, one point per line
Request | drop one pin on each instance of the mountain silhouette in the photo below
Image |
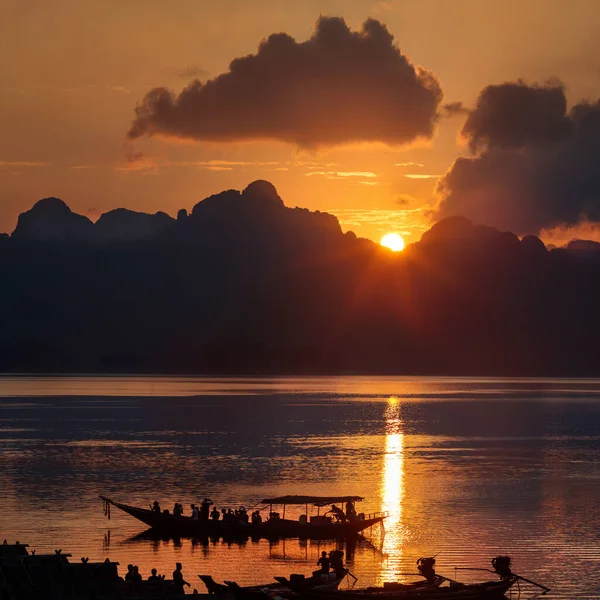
50	219
127	225
244	284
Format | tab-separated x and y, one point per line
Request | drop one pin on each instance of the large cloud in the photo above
338	86
536	165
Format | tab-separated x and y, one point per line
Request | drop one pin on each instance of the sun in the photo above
392	241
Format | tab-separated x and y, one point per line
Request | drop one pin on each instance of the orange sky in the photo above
73	71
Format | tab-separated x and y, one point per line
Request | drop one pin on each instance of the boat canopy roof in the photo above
316	500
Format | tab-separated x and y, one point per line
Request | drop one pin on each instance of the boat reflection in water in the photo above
282	549
392	492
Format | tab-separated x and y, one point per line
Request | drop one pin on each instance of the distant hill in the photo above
244	284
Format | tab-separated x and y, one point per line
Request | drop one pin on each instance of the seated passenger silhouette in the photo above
215	514
336	561
154	576
323	562
156	507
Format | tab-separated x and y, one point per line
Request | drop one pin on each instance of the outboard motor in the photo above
426	567
501	565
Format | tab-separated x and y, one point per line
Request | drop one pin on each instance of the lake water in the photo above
467	468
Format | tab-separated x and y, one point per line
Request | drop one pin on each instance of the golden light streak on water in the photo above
393	492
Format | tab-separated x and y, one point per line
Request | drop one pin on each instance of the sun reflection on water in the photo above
393	491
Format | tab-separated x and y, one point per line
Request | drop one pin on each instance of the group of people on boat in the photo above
202	512
133	576
199	513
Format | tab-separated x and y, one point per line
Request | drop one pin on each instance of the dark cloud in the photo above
535	164
339	86
513	115
455	108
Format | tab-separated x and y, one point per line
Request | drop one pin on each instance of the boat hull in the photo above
168	524
493	590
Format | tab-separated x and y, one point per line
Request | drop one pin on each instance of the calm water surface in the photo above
467	468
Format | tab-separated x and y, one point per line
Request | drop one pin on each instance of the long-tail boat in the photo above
297	585
489	590
274	526
430	589
281	586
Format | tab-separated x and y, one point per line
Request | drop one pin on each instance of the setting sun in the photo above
392	241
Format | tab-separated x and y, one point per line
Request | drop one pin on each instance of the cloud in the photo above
405	199
535	165
190	71
341	174
513	115
455	108
223	165
563	234
339	86
138	162
409	164
314	165
22	163
421	176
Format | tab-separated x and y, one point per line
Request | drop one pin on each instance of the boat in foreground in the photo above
275	526
326	584
489	590
434	587
281	587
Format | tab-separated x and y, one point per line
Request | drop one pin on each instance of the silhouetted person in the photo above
129	574
178	580
156	507
177	510
136	576
215	514
195	512
350	510
338	513
323	562
154	576
204	508
336	561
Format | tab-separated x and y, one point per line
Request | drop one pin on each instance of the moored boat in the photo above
275	526
298	586
489	590
281	587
